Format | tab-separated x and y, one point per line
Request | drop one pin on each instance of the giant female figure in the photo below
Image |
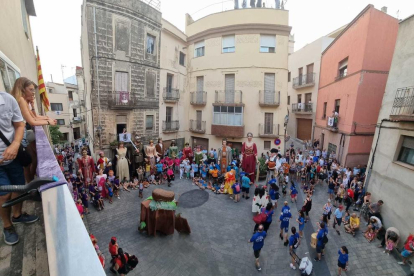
249	152
87	167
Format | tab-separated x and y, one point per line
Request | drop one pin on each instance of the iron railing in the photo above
304	80
170	126
122	100
233	97
269	98
268	130
403	102
341	76
302	107
171	94
198	126
332	123
198	98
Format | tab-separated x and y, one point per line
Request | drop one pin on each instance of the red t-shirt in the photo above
113	249
407	245
350	193
119	262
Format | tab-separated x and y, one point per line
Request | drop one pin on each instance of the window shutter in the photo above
408	142
199	44
268	41
228	41
200	83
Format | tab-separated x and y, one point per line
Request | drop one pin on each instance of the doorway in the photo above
120	129
321	146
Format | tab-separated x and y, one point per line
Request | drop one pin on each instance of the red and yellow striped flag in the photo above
42	87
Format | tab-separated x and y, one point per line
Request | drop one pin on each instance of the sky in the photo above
56	29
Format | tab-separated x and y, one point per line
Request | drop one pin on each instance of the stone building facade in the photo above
127	42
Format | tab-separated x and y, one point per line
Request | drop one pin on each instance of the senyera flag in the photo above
42	87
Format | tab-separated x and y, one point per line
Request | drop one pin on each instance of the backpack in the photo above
325	239
237	188
260	218
277	195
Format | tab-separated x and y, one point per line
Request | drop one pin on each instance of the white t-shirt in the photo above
9	113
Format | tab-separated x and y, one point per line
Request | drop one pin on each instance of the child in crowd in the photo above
301	221
79	207
389	246
236	191
141	189
187	170
116	187
110	192
274	192
191	173
346	218
126	184
303	176
147	170
284	186
342	260
85	201
140	173
293	193
170	175
370	234
182	170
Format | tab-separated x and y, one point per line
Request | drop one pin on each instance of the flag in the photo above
42	87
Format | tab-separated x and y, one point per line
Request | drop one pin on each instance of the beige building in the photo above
233	73
391	163
303	78
15	30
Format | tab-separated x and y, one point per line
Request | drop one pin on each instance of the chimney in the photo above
384	9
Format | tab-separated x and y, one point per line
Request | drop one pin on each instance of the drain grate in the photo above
193	199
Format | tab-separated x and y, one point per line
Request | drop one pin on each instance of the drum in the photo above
313	240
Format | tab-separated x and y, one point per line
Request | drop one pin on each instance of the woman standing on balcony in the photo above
24	93
122	169
249	152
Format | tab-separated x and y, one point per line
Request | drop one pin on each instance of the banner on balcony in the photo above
331	121
123	97
124	137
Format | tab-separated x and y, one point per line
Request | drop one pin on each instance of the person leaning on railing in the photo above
24	93
11	171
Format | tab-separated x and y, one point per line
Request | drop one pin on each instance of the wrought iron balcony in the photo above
77	119
229	98
122	100
305	80
171	95
403	106
269	130
198	98
269	98
198	126
306	108
332	123
171	126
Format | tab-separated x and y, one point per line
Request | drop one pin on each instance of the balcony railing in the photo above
340	76
66	236
122	100
229	97
269	98
171	95
198	126
304	80
268	130
403	106
171	126
302	108
198	98
332	123
77	119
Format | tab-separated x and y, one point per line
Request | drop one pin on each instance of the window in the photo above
288	100
300	73
308	98
299	98
24	17
268	123
228	44
182	59
168	114
406	154
9	74
199	49
76	133
288	76
50	90
325	104
267	145
343	68
149	122
61	122
228	115
267	43
150	83
75	113
70	94
337	104
122	36
150	44
121	81
56	106
169	83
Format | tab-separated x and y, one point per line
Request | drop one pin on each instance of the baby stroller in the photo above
305	264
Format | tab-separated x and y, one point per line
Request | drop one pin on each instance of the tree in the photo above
55	134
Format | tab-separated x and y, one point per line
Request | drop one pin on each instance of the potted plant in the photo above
114	144
262	168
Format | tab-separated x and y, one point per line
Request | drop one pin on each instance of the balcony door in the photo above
300	75
199	118
200	89
268	124
229	86
309	73
169	84
269	88
121	88
168	114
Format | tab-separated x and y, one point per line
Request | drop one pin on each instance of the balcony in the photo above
77	119
332	123
198	126
171	95
340	76
122	100
305	80
269	130
228	98
198	98
171	126
269	98
302	108
403	106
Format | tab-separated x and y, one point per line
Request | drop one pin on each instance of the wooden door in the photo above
304	129
229	88
268	125
199	118
269	88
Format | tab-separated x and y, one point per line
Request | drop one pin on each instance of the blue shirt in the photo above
272	181
258	240
159	167
293	190
293	238
195	167
215	155
338	213
269	214
245	182
343	258
286	210
320	236
285	218
301	223
234	188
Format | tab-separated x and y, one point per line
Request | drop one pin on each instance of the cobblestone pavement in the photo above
218	242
